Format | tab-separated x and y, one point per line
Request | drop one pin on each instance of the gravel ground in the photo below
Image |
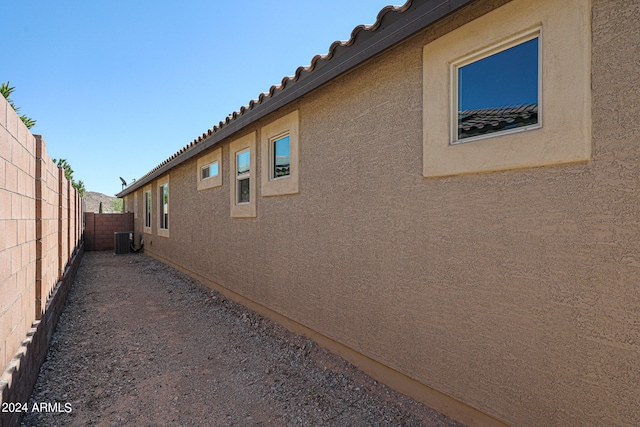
141	344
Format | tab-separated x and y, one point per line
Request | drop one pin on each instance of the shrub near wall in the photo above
40	247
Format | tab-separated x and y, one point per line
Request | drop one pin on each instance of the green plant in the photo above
68	173
6	91
117	205
79	186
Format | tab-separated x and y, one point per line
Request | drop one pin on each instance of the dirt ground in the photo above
141	344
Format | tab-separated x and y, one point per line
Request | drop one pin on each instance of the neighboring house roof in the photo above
479	122
393	25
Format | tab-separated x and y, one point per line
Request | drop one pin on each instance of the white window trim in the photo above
164	232
478	56
565	99
206	160
243	210
286	125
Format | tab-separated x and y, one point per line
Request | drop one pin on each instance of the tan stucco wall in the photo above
514	292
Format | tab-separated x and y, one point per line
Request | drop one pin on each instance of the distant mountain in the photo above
92	202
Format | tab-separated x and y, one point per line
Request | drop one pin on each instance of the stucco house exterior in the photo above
480	254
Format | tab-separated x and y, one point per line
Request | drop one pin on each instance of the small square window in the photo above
554	39
498	91
281	160
209	171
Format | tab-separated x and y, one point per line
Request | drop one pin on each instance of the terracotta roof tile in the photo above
308	69
389	15
482	121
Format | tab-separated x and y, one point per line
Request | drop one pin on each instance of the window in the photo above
280	157
498	91
280	162
242	176
509	90
243	183
147	211
163	206
209	170
163	197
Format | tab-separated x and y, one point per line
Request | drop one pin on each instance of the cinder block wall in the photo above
100	228
58	223
40	236
17	231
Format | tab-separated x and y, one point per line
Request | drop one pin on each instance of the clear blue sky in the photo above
504	79
117	86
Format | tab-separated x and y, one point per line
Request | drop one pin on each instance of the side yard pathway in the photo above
141	344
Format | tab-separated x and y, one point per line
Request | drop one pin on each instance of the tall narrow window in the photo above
498	91
147	209
243	161
281	157
163	197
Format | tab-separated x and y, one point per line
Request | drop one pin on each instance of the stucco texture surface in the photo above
514	292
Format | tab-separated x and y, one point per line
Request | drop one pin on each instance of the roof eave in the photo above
389	30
